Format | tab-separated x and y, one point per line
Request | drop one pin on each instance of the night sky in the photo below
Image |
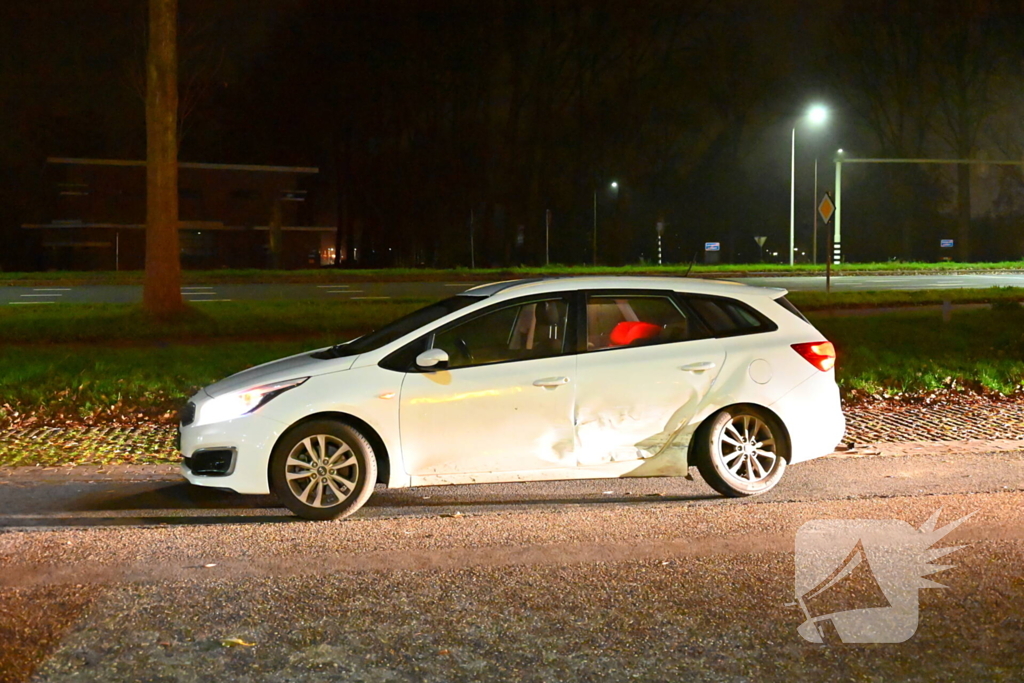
421	113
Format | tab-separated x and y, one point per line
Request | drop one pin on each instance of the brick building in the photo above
97	216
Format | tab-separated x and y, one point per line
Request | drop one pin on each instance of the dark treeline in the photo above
424	116
433	115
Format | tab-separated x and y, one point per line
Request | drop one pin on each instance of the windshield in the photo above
401	327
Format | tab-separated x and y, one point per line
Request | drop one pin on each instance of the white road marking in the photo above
42	295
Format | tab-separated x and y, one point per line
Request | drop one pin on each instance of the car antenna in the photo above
692	261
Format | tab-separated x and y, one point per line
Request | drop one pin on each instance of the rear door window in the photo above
615	321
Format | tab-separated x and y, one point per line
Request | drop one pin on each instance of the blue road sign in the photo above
946	244
712	246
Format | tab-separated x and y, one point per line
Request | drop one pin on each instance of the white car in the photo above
529	380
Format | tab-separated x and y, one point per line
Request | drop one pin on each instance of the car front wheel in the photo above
742	452
323	470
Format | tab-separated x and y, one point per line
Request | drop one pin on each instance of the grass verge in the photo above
889	354
816	301
914	352
107	323
288	320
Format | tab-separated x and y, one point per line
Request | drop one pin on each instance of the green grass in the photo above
141	384
286	320
895	353
484	274
111	323
812	301
914	351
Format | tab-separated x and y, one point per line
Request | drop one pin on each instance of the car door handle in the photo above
699	367
551	382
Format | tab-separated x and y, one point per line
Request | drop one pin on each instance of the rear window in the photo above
788	305
729	318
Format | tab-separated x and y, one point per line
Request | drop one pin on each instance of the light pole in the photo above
816	115
615	186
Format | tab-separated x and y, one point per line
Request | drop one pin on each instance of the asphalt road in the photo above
108	580
369	291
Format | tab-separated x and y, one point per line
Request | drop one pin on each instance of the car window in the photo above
617	321
519	332
729	318
398	328
788	305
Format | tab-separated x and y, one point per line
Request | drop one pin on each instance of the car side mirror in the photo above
432	359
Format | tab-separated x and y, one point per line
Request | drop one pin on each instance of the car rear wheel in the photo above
323	470
742	451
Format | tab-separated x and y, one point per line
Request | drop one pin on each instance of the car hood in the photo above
292	367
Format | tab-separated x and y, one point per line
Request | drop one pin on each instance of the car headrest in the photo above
627	332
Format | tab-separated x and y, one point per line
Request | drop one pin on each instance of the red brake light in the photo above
821	355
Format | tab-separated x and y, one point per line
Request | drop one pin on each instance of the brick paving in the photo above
955	420
997	424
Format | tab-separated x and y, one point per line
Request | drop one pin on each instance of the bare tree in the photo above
162	283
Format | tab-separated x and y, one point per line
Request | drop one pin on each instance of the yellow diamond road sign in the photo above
826	208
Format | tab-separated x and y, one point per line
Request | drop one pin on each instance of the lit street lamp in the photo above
816	116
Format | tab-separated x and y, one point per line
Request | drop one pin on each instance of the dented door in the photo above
647	367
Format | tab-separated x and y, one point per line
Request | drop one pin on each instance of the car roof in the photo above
677	284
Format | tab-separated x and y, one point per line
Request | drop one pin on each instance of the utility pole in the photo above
161	293
814	241
595	227
472	250
792	196
837	244
547	237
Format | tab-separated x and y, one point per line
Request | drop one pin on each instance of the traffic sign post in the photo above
826	208
711	251
760	239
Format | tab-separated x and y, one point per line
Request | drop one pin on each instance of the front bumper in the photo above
249	440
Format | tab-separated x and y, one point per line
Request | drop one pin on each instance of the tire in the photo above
320	489
732	469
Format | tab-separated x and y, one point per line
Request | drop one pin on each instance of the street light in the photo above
816	115
615	186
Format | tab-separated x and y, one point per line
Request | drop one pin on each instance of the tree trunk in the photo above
162	282
963	211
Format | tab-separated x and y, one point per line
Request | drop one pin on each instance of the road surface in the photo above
616	580
382	291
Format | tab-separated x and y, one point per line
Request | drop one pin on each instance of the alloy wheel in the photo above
322	471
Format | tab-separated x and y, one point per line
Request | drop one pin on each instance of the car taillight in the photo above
821	355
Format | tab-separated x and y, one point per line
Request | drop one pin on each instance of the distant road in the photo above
383	291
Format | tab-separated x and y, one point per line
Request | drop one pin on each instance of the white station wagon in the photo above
529	380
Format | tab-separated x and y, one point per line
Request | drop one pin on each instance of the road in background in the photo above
383	291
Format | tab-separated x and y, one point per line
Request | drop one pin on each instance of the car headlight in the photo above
236	404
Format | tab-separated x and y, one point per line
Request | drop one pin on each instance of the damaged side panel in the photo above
638	403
